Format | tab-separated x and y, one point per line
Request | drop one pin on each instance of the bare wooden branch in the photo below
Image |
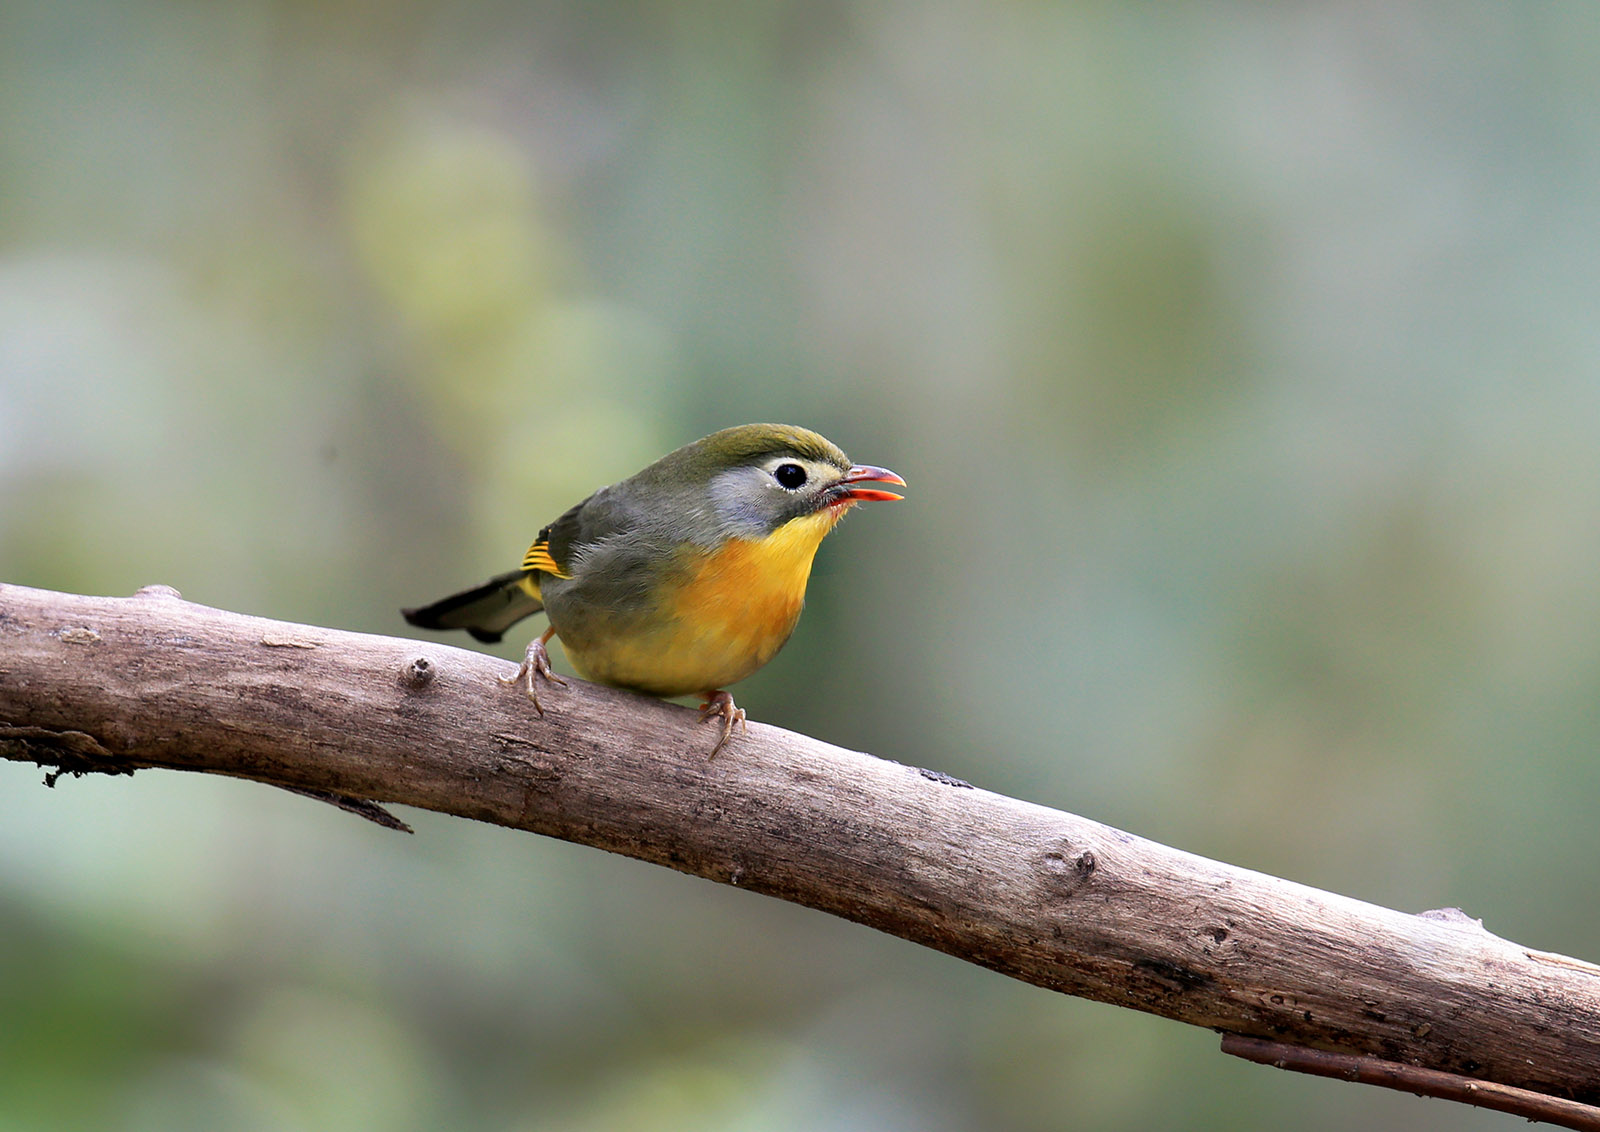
119	684
1414	1079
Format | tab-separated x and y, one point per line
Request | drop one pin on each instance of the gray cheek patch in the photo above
746	505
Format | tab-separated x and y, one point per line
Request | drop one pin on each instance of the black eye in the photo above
790	476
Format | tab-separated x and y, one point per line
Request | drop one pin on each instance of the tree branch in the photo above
119	684
1413	1079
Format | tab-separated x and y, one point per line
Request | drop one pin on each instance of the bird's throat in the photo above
740	602
762	581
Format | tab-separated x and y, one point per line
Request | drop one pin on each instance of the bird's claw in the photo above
535	665
721	703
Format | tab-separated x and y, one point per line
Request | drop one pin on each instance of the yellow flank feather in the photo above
538	558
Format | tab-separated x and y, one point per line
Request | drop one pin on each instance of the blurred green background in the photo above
1243	363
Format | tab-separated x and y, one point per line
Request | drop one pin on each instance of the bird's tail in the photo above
485	611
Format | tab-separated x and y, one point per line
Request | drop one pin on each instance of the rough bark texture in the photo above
115	684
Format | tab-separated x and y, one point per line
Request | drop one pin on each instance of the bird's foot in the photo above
721	703
535	666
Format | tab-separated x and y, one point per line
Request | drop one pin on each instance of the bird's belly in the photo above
723	618
679	660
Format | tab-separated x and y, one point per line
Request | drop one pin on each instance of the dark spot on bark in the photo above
1219	934
77	766
943	779
1172	976
74	753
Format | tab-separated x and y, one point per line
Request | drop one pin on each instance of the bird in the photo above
682	579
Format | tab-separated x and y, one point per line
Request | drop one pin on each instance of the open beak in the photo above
866	473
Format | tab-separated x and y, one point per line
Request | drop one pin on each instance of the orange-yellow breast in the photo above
724	616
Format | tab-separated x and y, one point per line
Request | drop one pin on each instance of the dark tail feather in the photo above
486	611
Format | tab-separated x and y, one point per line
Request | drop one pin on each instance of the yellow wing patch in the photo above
538	558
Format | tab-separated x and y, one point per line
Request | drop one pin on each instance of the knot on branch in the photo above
1067	869
417	673
71	752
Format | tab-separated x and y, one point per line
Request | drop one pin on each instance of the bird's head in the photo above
757	478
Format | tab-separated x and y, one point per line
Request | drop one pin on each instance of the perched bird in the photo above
683	578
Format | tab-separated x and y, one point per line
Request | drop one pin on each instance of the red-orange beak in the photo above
866	473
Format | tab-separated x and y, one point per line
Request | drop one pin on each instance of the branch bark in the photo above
120	684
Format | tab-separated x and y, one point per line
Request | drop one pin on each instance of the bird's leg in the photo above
536	664
721	703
